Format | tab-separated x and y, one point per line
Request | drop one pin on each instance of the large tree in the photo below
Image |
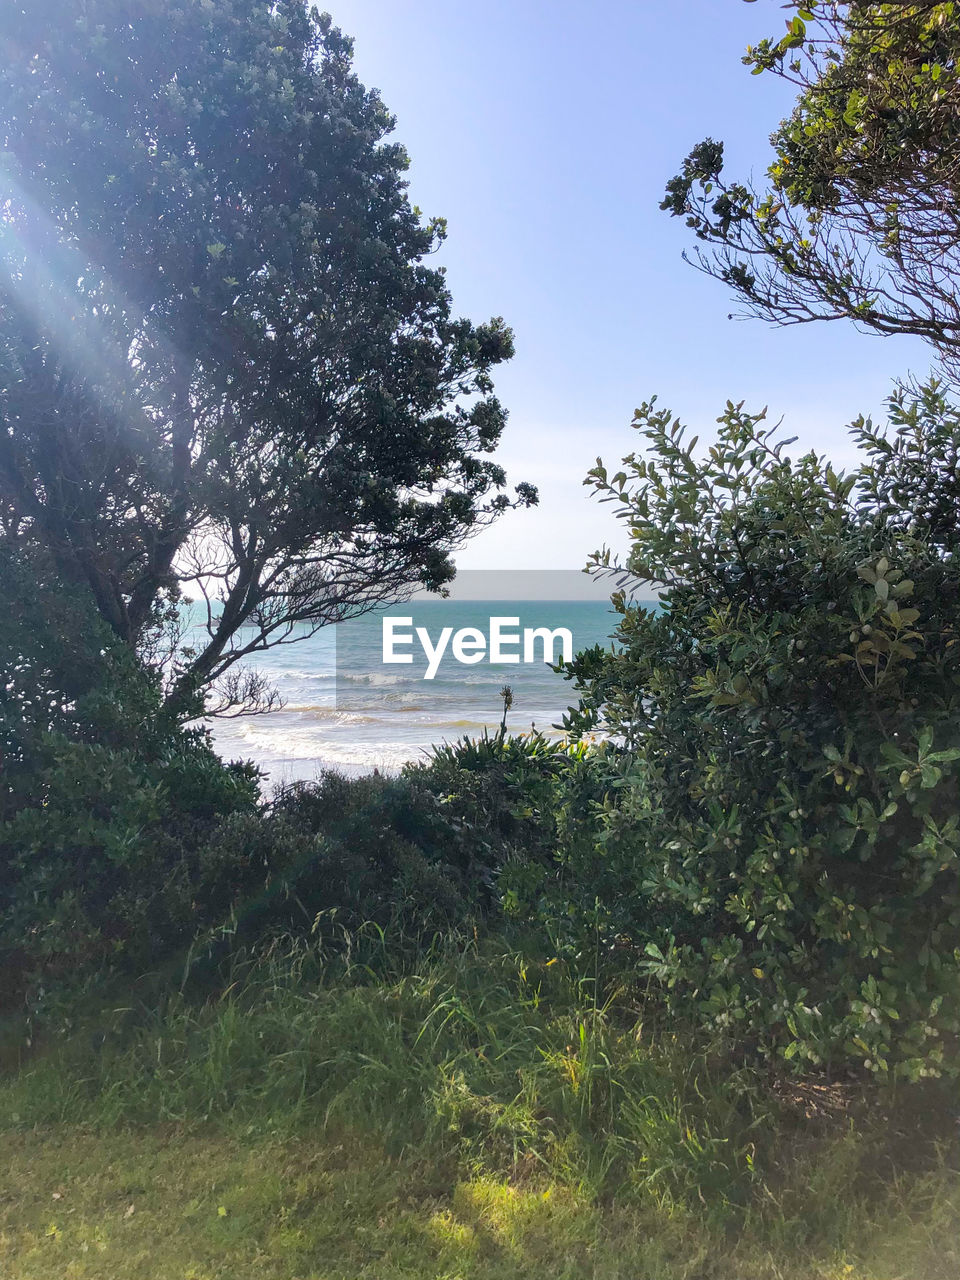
859	218
225	366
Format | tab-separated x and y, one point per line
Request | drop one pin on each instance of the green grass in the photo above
172	1206
477	1115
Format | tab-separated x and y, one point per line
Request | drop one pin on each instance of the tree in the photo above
225	366
859	218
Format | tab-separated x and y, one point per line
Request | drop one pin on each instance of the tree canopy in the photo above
858	218
226	367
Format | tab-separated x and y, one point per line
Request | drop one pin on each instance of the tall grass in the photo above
487	1062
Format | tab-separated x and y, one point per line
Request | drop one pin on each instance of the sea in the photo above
343	707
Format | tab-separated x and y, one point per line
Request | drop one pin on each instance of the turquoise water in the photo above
344	707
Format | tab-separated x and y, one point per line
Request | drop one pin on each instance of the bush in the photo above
429	852
125	842
509	805
106	806
340	853
782	858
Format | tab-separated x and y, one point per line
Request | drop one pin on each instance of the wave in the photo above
284	673
328	712
374	678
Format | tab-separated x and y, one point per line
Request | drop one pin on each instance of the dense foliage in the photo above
784	846
106	806
126	846
768	840
429	852
262	391
224	362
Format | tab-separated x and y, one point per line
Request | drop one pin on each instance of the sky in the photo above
545	133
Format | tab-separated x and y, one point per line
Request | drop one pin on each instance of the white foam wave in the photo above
285	673
374	678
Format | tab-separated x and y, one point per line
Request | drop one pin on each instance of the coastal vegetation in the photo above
228	368
678	999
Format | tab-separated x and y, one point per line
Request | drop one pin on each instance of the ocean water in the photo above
344	707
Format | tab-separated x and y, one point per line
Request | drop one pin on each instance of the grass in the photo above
477	1115
169	1206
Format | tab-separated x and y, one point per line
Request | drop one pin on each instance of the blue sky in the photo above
544	133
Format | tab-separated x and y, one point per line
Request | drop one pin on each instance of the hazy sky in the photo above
544	133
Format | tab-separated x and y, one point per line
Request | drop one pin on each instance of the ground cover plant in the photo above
476	1112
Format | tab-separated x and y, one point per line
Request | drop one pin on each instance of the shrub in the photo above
510	804
782	859
426	853
125	842
106	806
339	853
